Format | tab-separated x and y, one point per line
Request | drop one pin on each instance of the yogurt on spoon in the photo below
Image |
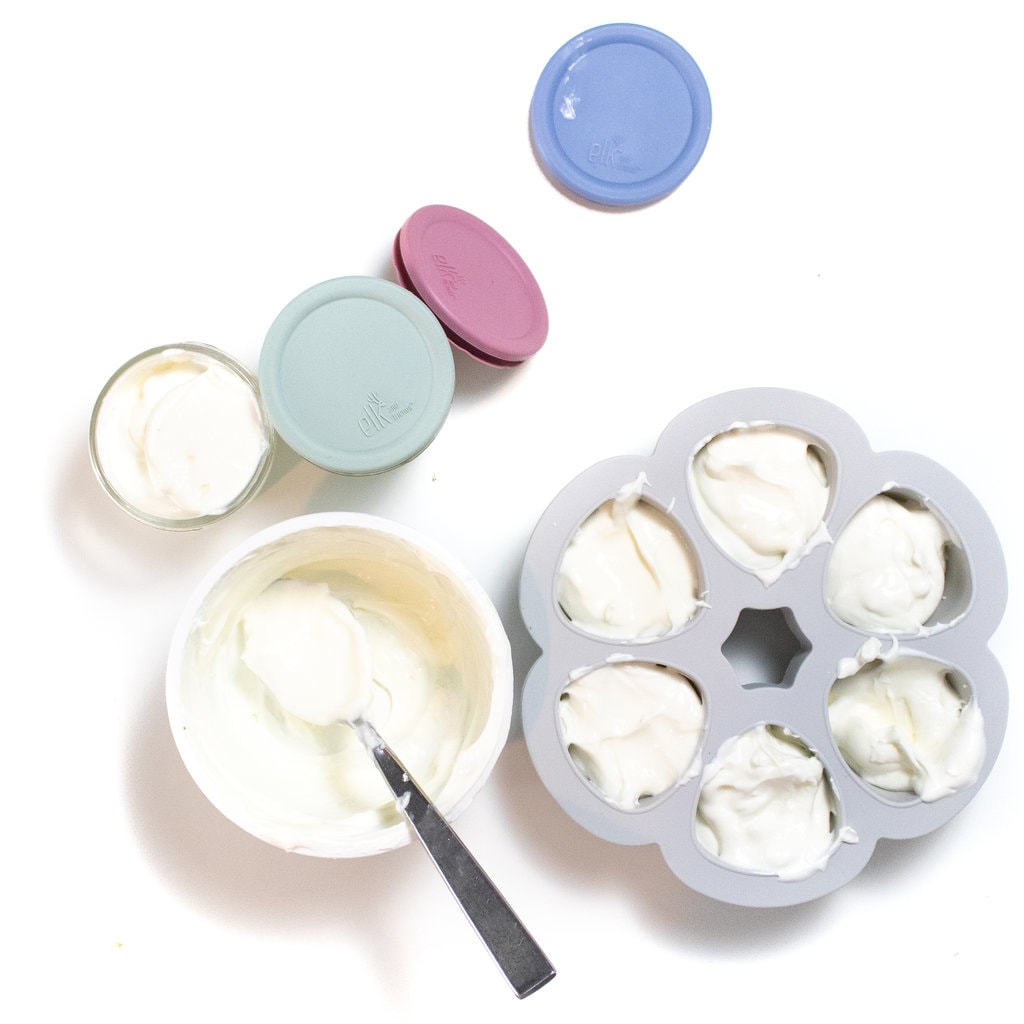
310	651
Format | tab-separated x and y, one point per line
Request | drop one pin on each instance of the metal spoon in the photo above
514	950
297	635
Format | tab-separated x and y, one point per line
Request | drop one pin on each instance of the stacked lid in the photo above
475	283
357	375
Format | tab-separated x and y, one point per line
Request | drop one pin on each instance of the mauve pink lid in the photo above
474	282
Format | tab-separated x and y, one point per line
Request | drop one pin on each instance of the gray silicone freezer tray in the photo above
970	610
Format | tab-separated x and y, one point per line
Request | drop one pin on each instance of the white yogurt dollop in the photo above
902	726
628	572
633	729
179	435
309	650
766	806
761	492
887	570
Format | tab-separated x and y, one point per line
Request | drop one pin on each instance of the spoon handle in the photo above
514	950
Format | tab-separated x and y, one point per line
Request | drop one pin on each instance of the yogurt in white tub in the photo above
441	692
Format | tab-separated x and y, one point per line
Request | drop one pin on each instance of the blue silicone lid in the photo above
357	375
621	115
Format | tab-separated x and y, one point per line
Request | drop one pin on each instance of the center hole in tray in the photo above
765	647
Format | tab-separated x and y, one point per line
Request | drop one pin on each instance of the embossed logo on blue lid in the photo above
621	115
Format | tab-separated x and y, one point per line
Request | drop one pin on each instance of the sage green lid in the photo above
357	375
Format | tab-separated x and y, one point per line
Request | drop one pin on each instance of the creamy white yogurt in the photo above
902	726
309	650
887	570
761	493
766	806
178	434
629	573
440	690
633	729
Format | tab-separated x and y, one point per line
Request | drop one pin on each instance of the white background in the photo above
180	171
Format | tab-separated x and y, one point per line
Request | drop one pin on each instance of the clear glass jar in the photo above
180	437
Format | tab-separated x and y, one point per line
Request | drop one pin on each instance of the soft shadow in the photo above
306	488
233	877
696	922
894	860
386	265
109	544
524	648
473	378
686	917
524	655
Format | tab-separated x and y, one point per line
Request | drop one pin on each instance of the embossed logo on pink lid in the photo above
474	282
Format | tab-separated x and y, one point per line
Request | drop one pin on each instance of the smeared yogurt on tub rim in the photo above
761	491
887	569
178	434
629	573
902	726
441	692
766	806
633	729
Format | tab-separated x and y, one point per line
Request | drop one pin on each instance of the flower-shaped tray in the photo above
957	636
